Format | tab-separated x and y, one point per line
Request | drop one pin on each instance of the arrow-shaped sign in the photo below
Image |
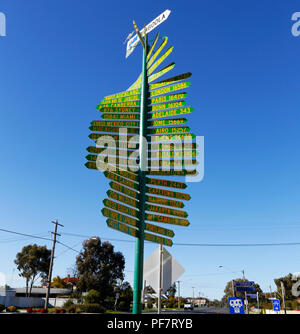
132	43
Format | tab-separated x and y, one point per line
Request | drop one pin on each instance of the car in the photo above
188	306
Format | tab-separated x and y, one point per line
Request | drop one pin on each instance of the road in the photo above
201	310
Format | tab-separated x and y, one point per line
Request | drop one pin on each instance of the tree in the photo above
149	289
33	263
125	296
57	282
99	267
288	284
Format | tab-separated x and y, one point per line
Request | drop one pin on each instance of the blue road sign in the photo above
244	283
245	289
276	305
236	305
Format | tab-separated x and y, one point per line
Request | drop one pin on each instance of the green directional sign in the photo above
113	138
121	116
167	211
112	129
117	105
168	193
159	230
173	172
172	154
163	122
124	190
169	89
119	217
172	163
174	146
120	208
113	160
166	98
121	179
174	137
126	93
162	131
124	110
161	72
164	201
157	52
115	123
122	227
122	198
160	60
170	113
170	80
164	106
121	99
167	220
157	239
165	183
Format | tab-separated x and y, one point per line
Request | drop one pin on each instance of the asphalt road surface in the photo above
200	310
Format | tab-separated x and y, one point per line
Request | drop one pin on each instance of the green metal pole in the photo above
143	147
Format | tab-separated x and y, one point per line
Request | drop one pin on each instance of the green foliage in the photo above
99	267
93	297
33	262
2	307
57	282
288	284
91	308
149	304
125	296
171	292
69	303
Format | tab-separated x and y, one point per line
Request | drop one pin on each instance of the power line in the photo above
26	235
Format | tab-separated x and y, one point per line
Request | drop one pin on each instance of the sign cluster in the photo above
171	151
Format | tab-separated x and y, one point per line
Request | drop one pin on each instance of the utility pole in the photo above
283	296
51	262
178	294
160	278
193	294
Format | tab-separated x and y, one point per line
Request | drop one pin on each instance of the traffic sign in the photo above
164	201
167	211
167	220
158	74
170	113
173	172
244	283
132	43
157	239
169	89
173	154
159	230
164	122
157	52
120	116
121	99
173	137
170	81
124	190
165	98
112	129
122	198
120	208
119	217
116	123
121	104
161	131
164	106
122	180
168	193
160	60
120	109
276	305
152	47
165	183
122	227
122	94
166	164
236	305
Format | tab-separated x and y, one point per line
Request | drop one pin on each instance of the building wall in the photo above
25	302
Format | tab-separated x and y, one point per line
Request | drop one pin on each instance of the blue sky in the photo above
60	58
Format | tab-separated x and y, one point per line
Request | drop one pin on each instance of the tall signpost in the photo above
140	139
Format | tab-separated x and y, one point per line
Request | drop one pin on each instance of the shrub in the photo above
57	310
11	309
2	307
92	308
62	310
93	297
29	310
72	309
43	310
69	303
150	304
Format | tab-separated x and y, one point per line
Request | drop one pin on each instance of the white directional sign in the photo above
132	43
171	270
